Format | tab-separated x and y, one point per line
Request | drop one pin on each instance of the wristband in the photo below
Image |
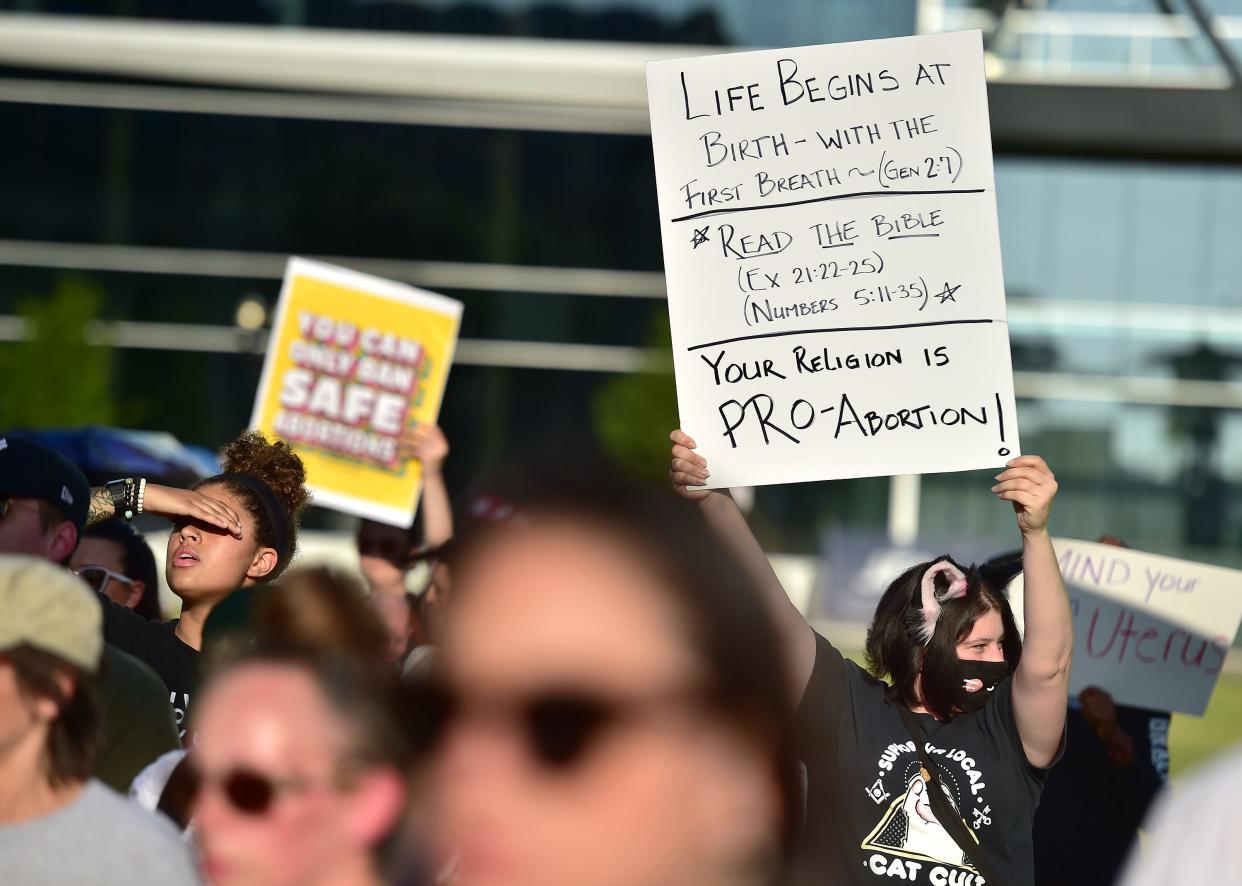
122	494
142	491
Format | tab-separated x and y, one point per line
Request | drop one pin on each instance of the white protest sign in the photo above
1152	631
833	263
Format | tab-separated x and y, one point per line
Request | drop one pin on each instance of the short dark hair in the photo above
137	562
892	651
76	733
722	614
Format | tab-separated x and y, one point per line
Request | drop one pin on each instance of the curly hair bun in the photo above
275	463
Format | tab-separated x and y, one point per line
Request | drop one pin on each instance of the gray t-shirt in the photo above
100	838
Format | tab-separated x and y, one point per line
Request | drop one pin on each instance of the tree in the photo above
634	413
53	378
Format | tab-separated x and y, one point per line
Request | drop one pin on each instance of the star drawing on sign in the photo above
948	292
700	237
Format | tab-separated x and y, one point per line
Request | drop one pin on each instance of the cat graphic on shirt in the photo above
924	834
910	828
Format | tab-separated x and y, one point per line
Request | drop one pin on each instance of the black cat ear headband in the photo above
927	601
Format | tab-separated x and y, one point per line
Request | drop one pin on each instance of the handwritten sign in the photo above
833	263
1153	631
353	361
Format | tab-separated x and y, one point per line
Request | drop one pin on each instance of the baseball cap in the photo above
49	608
31	470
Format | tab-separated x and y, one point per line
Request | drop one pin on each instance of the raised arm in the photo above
689	469
171	503
1041	682
428	444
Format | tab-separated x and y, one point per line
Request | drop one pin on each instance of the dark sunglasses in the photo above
98	577
559	727
249	792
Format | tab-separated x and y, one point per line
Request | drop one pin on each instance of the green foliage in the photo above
54	378
1195	740
634	413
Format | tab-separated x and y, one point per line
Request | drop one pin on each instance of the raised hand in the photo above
426	443
687	469
1028	484
173	503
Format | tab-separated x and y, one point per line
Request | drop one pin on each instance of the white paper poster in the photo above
833	263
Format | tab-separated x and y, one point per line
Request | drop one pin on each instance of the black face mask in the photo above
987	672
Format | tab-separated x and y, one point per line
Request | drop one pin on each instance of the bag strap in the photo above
939	800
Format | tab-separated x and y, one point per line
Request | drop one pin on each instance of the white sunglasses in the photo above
98	577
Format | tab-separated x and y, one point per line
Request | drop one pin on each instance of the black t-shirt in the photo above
1091	810
868	819
157	644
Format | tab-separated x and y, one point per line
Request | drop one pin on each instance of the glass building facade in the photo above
1124	276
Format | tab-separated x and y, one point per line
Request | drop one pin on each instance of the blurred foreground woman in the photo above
609	708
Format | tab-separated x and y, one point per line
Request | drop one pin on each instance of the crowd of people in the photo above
586	681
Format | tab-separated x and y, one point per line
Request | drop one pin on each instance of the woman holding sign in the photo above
232	530
932	777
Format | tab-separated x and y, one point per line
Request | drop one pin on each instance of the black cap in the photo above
32	470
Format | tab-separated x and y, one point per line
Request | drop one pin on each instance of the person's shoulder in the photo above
130	821
167	631
147	835
132	672
835	676
998	722
123	815
133	688
830	657
168	628
996	714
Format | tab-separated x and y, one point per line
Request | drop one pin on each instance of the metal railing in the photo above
1046	43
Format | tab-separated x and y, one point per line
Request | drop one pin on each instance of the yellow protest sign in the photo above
353	361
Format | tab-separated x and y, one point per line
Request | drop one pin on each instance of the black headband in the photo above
276	516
